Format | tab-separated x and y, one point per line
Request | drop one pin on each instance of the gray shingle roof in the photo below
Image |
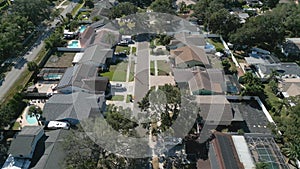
73	106
84	76
96	54
284	68
215	109
191	39
22	144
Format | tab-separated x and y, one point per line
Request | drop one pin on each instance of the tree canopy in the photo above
124	8
163	6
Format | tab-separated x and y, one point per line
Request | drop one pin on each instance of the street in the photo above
21	62
142	72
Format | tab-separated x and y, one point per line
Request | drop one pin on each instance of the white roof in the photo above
16	163
243	151
77	57
56	124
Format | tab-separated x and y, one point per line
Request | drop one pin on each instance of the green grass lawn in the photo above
133	50
117	72
117	98
216	43
16	126
128	98
120	49
152	68
131	74
163	68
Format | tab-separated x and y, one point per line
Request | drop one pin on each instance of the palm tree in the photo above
292	151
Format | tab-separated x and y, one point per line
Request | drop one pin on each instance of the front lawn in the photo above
117	98
152	68
121	49
117	72
133	50
163	68
131	74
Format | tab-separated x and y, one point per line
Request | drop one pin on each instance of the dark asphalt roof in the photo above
50	152
215	109
253	115
225	151
284	68
22	144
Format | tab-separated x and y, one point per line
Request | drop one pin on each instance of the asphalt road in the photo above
21	62
142	72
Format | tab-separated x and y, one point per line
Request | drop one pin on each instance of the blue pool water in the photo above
209	46
32	119
73	44
52	77
82	28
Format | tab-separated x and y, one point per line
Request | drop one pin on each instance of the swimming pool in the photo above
32	119
52	77
74	44
82	28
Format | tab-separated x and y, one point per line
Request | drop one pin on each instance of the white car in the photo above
58	125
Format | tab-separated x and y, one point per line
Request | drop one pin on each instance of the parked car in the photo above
57	125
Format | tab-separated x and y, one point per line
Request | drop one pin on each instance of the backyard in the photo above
60	59
216	42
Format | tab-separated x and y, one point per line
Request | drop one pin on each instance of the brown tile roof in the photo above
210	79
294	90
189	53
86	36
106	38
226	154
215	109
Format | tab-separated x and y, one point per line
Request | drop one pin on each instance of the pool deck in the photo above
22	119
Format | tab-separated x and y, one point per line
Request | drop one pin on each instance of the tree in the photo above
253	85
120	119
32	66
261	30
292	151
35	11
223	23
262	165
163	6
124	8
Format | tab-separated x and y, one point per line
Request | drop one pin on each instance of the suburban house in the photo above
22	147
189	56
83	77
74	107
284	69
223	153
96	55
101	8
201	82
215	110
289	87
187	39
291	47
